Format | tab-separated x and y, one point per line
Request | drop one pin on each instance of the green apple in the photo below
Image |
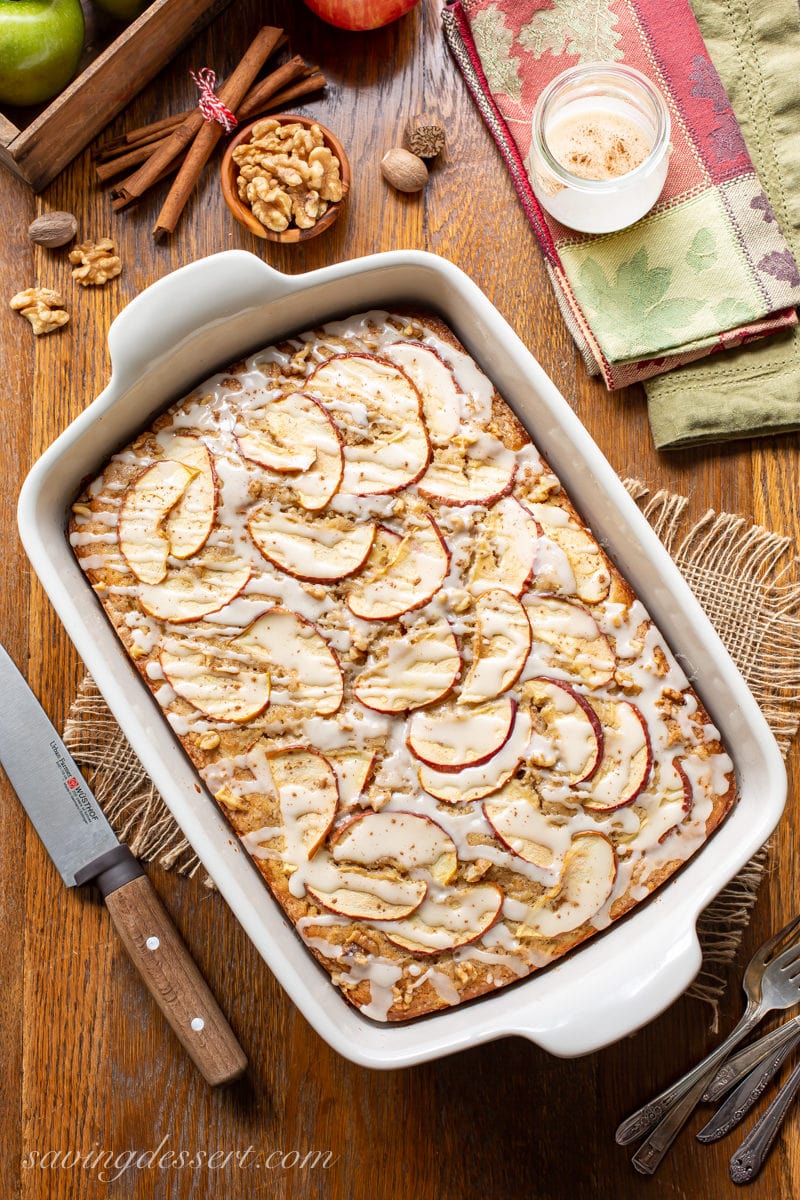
40	47
122	10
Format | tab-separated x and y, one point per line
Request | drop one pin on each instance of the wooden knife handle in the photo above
161	958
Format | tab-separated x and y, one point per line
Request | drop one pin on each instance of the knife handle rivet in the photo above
197	1023
152	943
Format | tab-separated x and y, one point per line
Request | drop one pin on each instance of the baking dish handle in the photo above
667	958
204	292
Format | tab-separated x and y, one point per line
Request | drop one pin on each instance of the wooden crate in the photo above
37	151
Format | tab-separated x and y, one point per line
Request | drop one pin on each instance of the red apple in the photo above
360	14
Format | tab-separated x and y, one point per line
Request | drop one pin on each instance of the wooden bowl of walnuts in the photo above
285	178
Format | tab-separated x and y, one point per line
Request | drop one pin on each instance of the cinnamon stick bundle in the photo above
258	100
231	94
254	104
156	129
112	167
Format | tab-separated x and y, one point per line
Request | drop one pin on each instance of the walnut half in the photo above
95	262
43	307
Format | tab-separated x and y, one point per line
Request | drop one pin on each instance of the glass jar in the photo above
600	147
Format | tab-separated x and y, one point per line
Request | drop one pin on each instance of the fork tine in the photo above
787	957
764	951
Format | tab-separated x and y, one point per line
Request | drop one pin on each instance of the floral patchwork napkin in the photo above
708	268
755	391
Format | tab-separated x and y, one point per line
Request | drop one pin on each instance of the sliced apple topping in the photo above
664	805
566	638
352	769
504	549
303	668
451	738
296	436
676	799
402	840
369	895
627	756
317	549
378	412
588	563
587	880
308	795
403	572
143	541
448	921
196	589
521	826
500	646
567	734
191	520
220	683
474	783
409	669
442	398
469	472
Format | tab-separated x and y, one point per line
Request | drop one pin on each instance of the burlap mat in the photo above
747	580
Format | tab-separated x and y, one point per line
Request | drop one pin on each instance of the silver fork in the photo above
749	1158
752	1087
768	986
740	1065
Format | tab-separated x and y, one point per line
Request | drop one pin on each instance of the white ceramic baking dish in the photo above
214	311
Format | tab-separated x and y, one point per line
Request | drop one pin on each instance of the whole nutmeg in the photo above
53	229
404	170
425	135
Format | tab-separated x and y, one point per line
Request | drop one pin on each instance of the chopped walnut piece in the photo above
95	263
475	870
208	741
625	681
660	660
230	799
43	307
361	939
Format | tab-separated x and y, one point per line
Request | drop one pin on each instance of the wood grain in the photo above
86	1060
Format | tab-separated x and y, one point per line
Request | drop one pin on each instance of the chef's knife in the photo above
85	849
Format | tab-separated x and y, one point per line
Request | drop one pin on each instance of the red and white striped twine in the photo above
209	102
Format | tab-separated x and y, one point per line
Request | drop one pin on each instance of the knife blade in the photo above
84	849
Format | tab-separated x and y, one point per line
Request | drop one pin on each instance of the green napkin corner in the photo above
753	391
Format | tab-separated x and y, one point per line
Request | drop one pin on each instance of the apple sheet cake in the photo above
441	723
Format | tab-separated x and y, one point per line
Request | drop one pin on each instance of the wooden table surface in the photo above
86	1061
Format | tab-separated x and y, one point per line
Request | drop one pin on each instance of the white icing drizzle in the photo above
506	534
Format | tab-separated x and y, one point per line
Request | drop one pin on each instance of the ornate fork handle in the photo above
729	1114
650	1115
749	1158
741	1064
